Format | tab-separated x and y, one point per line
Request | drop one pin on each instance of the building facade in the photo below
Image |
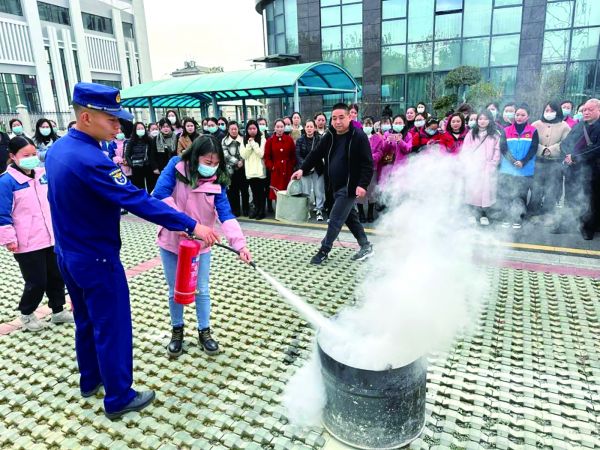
46	47
400	50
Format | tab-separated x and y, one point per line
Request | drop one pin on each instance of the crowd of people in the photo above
185	176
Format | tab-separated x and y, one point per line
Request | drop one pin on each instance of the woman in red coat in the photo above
280	159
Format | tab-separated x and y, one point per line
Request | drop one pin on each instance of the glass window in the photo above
128	30
54	13
330	16
63	65
93	22
279	24
291	26
558	15
393	32
11	7
448	26
446	55
418	88
448	5
331	38
478	16
329	2
18	89
419	57
392	89
352	60
280	43
504	78
580	78
476	52
112	83
505	50
334	56
420	20
393	59
587	13
553	71
392	9
352	36
352	13
585	43
507	20
556	46
278	4
76	61
508	2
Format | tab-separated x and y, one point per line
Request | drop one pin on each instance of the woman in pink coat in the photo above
480	156
26	231
376	142
397	144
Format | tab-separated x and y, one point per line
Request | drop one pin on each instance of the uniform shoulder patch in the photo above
118	177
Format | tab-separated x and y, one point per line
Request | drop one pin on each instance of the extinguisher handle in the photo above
226	247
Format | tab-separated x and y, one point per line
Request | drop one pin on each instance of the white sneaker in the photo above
471	220
65	316
516	226
484	221
31	322
505	224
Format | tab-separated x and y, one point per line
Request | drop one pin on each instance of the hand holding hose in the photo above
206	234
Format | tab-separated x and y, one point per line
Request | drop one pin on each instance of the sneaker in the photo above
484	221
471	220
319	215
516	226
209	345
366	251
319	258
31	322
505	224
65	316
139	402
175	347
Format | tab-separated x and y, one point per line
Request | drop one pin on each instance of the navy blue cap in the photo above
101	98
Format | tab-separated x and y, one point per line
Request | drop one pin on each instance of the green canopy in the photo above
191	91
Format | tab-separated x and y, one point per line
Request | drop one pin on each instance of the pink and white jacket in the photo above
207	203
24	210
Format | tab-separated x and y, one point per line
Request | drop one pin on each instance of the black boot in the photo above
370	217
253	212
361	214
175	347
209	345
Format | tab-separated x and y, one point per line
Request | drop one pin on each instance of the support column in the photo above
296	98
152	111
141	40
78	30
118	29
30	10
69	59
57	71
244	110
132	63
371	82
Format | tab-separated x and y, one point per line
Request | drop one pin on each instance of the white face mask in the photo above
419	123
172	119
45	131
420	109
550	115
154	133
472	123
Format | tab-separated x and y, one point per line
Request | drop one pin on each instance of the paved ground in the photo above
529	377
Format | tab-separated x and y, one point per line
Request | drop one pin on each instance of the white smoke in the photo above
422	286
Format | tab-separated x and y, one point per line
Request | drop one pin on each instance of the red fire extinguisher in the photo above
186	278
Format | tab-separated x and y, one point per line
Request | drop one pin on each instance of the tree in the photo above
481	94
462	77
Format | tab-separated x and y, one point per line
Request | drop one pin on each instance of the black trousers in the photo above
257	185
239	189
143	178
41	274
582	195
513	191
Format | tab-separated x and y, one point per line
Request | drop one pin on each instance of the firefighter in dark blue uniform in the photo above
86	194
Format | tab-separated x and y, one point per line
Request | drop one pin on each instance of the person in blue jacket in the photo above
86	194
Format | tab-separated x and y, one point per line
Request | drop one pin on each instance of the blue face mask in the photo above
212	130
398	128
386	127
18	130
577	116
430	132
566	112
207	171
287	128
368	130
29	163
222	127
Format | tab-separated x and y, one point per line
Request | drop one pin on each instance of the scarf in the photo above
163	141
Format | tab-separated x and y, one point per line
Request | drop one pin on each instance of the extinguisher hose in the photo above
226	247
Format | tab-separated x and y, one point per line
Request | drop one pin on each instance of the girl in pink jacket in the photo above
26	231
397	144
195	183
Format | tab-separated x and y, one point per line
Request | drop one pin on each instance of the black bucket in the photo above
370	409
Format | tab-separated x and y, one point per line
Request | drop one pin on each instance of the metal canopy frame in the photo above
319	78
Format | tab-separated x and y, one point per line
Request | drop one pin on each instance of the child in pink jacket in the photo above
26	231
195	183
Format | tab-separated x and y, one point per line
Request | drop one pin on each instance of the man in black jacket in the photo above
348	171
582	187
